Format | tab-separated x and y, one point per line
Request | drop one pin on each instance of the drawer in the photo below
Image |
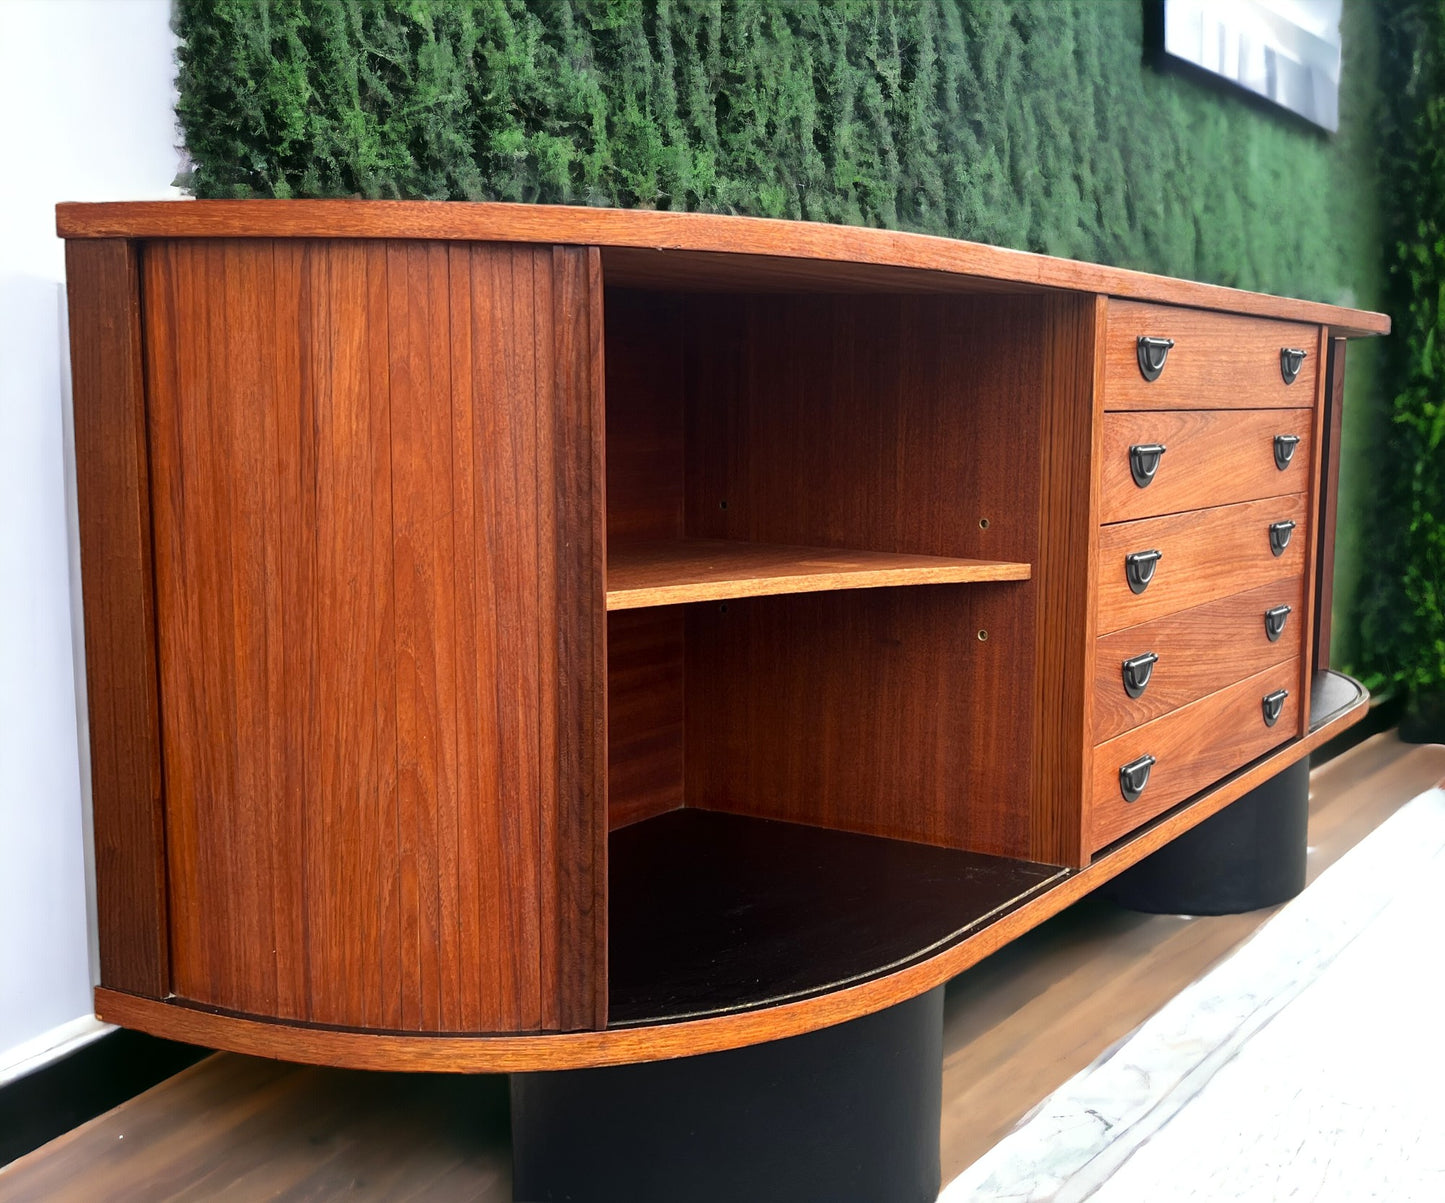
1218	360
1200	651
1203	555
1192	748
1210	457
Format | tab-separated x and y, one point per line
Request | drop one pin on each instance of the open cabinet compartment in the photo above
821	765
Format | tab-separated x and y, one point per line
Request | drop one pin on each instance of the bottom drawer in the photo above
1192	747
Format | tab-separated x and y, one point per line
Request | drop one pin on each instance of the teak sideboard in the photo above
526	638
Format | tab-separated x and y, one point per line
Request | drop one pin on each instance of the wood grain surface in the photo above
1194	746
1328	502
645	700
644	422
855	423
1313	550
573	624
692	570
575	1050
117	588
379	575
878	711
656	230
1066	576
1214	457
1207	554
1219	361
1200	650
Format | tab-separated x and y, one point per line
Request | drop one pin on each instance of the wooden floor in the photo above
1016	1028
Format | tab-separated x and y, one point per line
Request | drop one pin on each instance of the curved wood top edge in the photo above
351	1049
650	229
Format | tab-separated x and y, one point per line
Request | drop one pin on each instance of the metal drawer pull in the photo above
1273	705
1153	352
1137	672
1284	445
1274	621
1291	359
1279	533
1134	777
1144	462
1139	568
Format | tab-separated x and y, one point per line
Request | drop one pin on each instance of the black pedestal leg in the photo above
849	1114
1250	855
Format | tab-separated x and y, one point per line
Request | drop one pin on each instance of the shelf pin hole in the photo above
983	636
983	524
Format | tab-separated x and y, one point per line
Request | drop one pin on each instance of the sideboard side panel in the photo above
1073	350
117	587
372	618
574	809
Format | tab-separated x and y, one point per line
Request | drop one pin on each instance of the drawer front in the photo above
1210	457
1200	651
1204	555
1218	360
1192	748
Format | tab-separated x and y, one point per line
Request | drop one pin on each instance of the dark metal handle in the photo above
1291	359
1284	445
1137	671
1134	777
1139	568
1274	621
1153	352
1144	462
1273	706
1279	533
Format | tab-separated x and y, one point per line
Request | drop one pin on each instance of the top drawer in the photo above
1218	360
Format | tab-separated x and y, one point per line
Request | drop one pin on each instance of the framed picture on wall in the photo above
1286	51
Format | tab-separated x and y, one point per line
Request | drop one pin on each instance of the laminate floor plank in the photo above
242	1128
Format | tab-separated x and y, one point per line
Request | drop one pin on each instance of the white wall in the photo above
86	93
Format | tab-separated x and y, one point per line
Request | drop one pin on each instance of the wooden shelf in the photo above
672	572
713	913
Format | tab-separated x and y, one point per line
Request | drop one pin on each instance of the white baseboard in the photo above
41	1050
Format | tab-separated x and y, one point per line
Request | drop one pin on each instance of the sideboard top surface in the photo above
650	248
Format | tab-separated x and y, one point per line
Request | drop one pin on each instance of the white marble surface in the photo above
1304	1067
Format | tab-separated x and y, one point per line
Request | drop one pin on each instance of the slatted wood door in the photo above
376	474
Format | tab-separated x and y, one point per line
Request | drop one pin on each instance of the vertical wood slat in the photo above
1314	548
574	829
1329	500
378	472
1070	443
113	495
423	584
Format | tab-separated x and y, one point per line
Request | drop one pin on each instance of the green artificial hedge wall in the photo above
1027	123
1403	606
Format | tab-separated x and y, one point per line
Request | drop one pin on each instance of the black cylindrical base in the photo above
849	1114
1250	855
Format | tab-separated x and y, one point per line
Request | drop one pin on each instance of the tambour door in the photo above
379	617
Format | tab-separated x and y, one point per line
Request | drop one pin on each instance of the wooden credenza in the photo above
531	638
